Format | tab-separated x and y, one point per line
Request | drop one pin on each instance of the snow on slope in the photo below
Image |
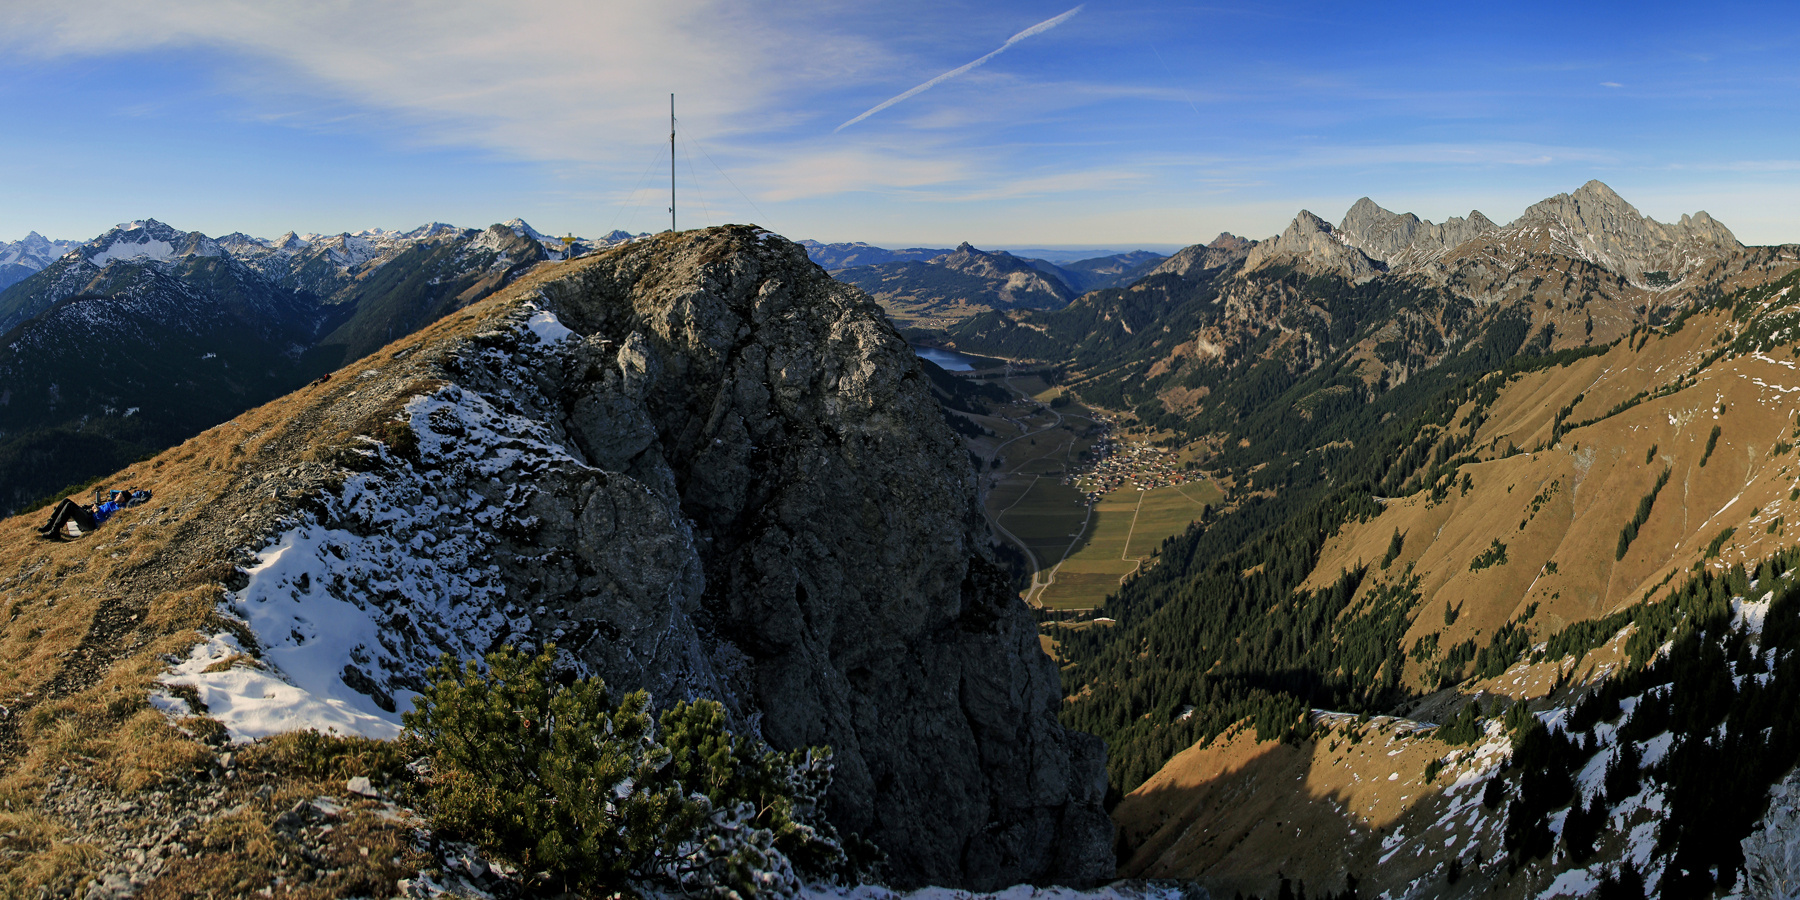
146	249
350	608
34	251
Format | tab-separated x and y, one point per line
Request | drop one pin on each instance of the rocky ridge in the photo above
728	479
1592	224
1310	242
1400	240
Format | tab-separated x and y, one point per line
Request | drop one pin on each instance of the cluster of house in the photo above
1112	466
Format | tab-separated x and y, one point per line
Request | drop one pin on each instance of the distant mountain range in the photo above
926	279
1574	270
18	260
147	334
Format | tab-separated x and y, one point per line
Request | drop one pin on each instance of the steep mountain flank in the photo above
695	463
147	334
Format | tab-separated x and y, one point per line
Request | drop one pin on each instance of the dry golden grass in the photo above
86	627
1207	815
55	870
1562	555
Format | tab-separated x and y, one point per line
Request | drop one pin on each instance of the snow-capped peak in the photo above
34	251
522	229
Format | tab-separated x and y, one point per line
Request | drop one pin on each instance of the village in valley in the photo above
1135	464
1079	499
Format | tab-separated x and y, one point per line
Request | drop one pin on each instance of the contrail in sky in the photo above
1039	28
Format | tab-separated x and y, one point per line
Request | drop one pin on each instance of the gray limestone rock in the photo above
846	598
1598	225
1403	239
1311	244
1772	851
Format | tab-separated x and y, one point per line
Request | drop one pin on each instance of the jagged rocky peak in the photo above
701	466
966	255
839	525
1310	243
147	240
1402	239
1224	250
1596	224
1229	242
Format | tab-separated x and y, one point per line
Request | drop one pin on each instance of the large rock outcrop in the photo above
837	520
728	480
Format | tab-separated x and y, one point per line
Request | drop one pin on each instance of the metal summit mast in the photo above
671	162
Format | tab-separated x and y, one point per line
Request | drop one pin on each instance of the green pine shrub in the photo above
581	794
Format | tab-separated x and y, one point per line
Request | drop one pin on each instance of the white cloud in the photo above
551	80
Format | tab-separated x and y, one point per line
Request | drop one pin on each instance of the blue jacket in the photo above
104	511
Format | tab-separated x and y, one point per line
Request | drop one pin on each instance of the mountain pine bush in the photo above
579	793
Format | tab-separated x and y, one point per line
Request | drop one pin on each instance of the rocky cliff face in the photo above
1597	225
1772	851
729	479
1310	243
1224	250
1403	239
835	516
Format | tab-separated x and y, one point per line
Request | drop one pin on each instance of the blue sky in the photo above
1128	124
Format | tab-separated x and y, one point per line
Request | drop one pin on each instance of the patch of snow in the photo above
311	638
548	327
1572	883
1749	615
147	249
351	614
254	703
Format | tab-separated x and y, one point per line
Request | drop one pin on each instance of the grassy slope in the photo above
89	625
1571	495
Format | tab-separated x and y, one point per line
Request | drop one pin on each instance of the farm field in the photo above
1047	518
1127	526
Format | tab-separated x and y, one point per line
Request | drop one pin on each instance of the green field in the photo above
1128	525
1046	518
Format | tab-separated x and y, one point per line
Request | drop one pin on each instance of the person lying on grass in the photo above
88	518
